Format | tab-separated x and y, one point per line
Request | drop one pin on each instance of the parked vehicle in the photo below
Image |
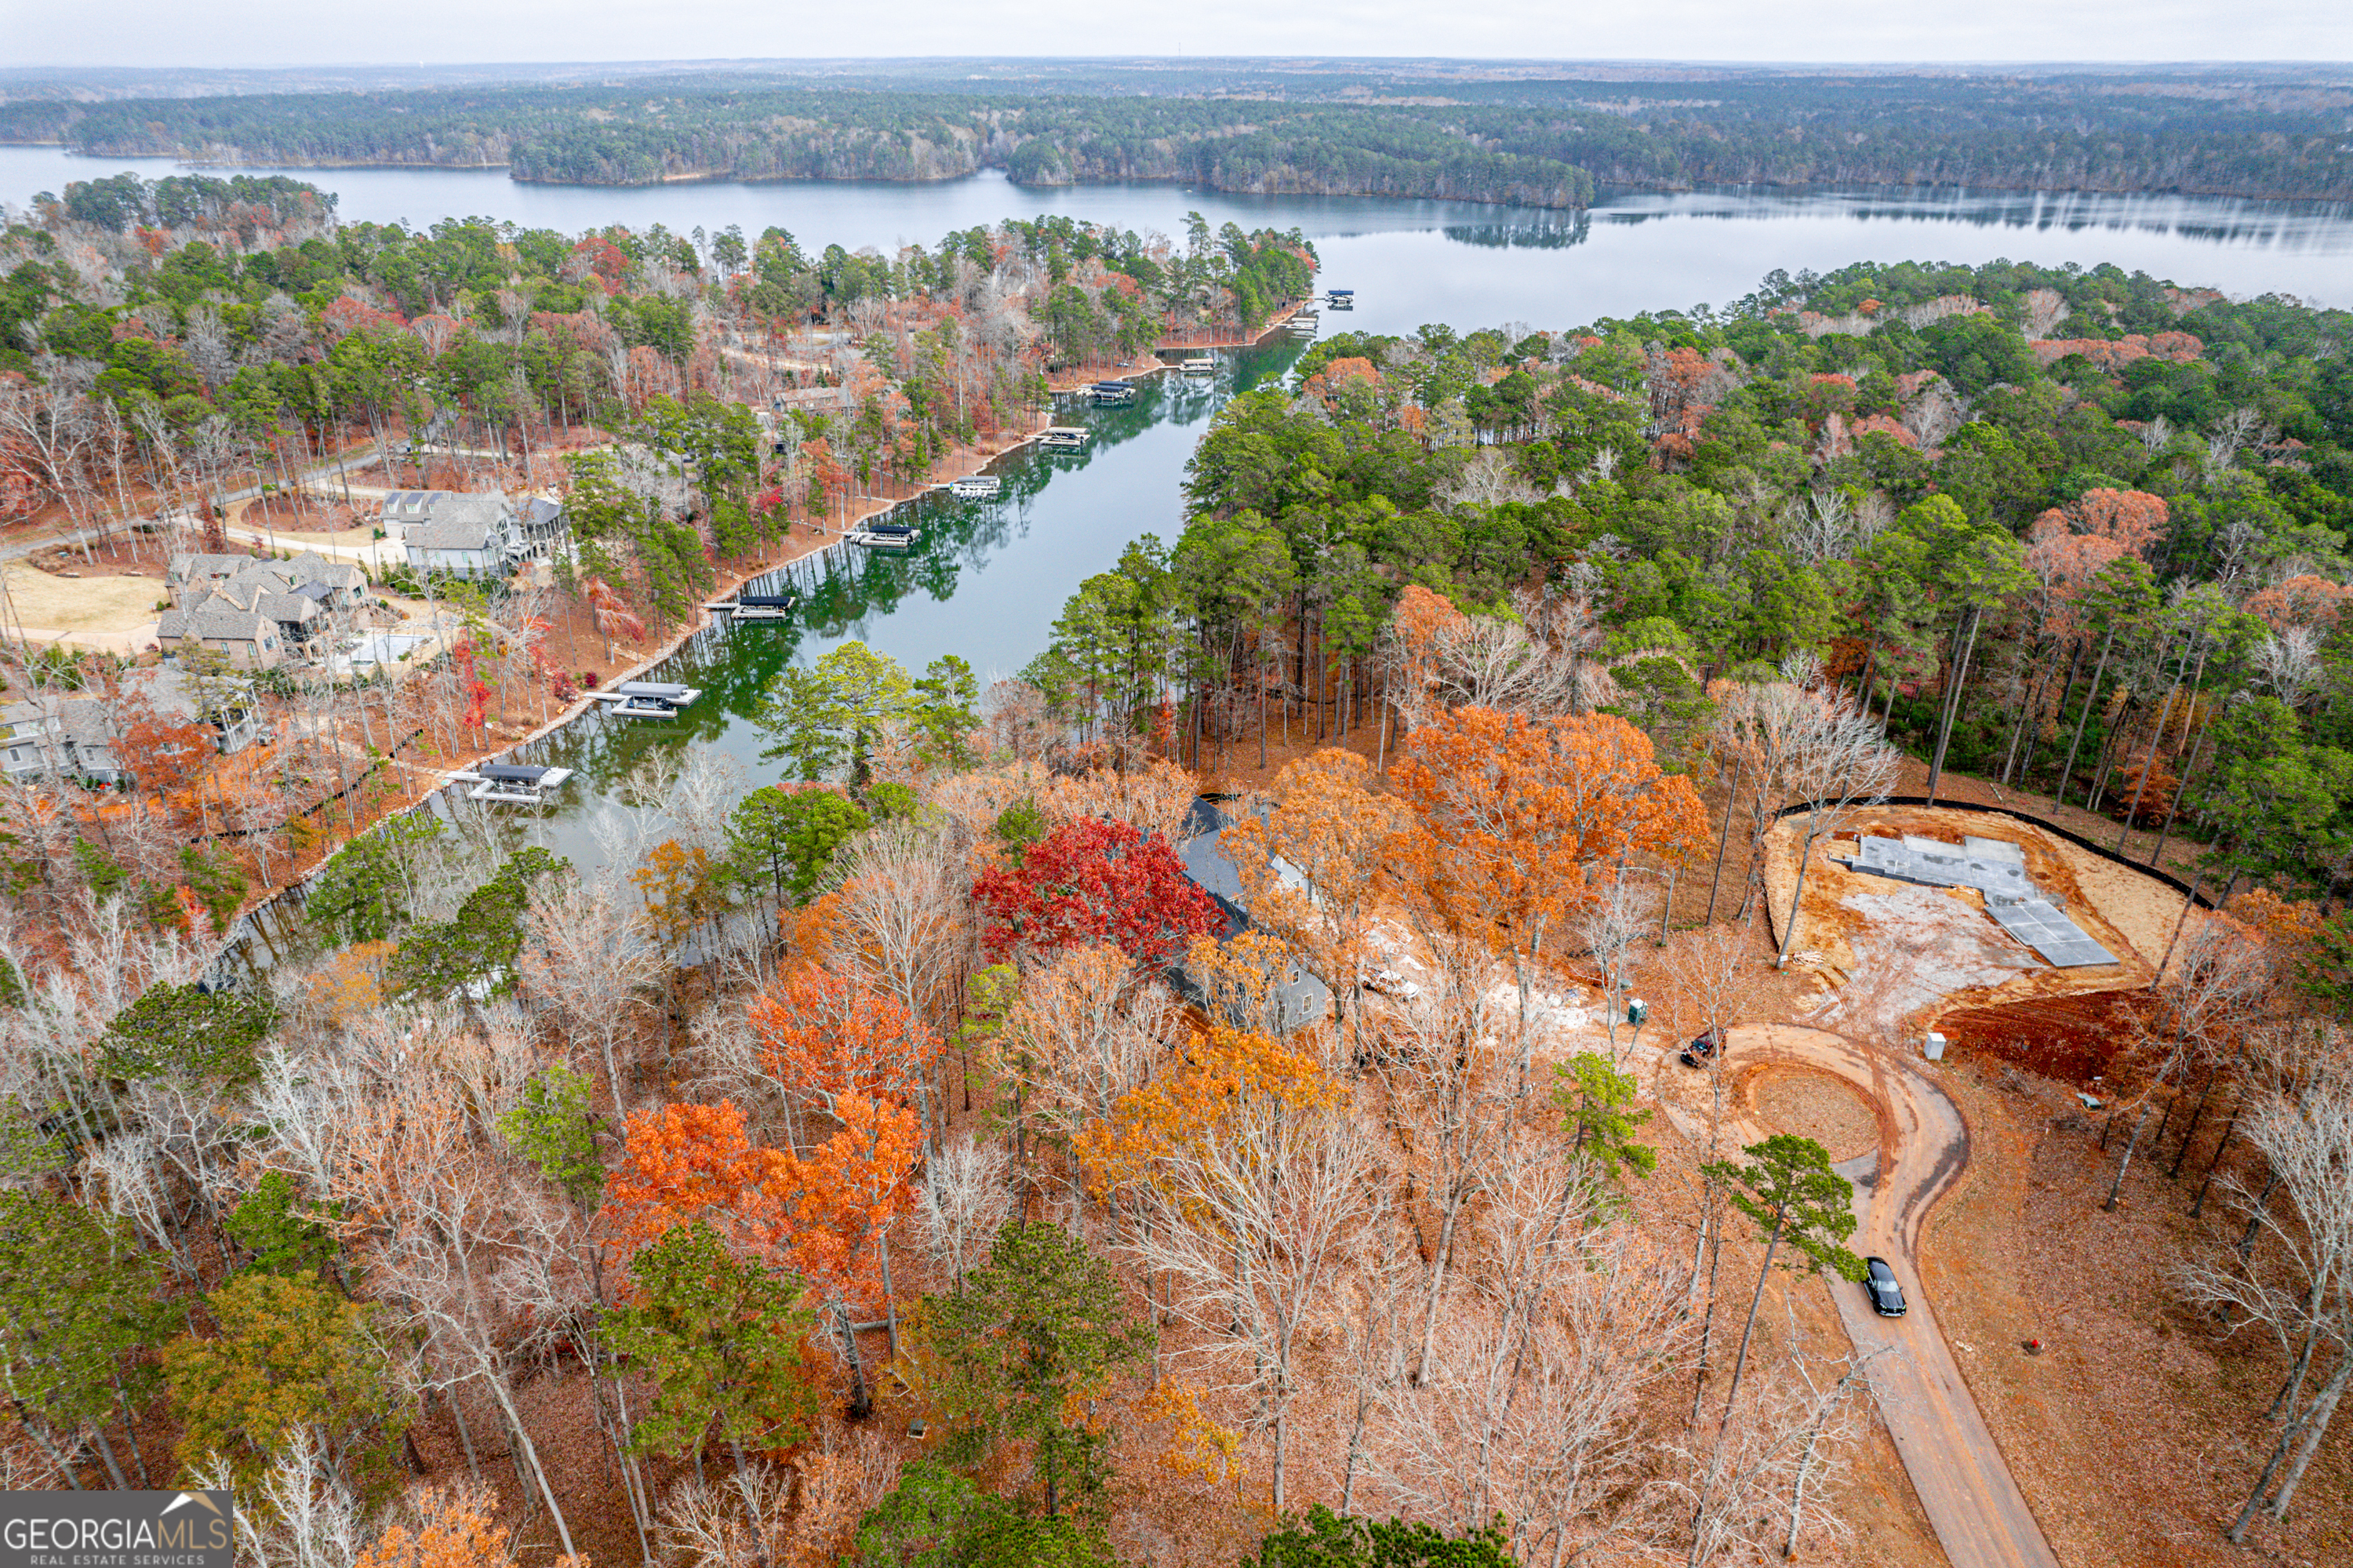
1696	1054
1879	1281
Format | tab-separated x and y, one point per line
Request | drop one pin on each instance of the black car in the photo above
1700	1050
1886	1295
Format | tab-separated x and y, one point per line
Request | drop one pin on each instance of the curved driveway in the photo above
1980	1517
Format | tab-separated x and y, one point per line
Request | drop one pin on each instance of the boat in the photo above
1112	392
512	783
976	487
764	606
887	537
647	699
1064	438
1198	364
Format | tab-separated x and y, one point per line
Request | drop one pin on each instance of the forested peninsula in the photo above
1532	142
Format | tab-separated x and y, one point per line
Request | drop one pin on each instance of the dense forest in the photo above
1523	141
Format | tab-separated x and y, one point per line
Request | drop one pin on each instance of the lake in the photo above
988	580
1416	262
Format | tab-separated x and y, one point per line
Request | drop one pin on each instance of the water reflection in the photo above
985	581
1533	230
2227	220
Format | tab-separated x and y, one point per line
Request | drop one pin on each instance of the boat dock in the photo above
647	699
887	535
512	783
1064	438
758	606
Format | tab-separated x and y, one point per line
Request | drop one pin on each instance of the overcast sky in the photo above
273	32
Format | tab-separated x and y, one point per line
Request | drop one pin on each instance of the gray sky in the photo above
270	32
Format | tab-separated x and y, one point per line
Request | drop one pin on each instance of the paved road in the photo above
1980	1517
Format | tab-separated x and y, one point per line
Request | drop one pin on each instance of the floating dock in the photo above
976	487
647	699
762	606
1064	438
1112	392
512	783
1198	364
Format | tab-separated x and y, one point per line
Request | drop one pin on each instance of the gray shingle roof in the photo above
197	568
212	624
283	607
309	567
461	523
410	506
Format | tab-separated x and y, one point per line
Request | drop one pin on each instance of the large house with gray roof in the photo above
250	640
78	737
484	534
307	600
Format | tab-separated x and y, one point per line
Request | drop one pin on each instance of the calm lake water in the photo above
987	580
1416	262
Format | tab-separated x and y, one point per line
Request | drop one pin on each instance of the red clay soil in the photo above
2071	1039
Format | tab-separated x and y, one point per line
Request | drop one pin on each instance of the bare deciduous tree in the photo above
964	1202
1261	1221
1530	1410
2299	1290
1836	761
589	956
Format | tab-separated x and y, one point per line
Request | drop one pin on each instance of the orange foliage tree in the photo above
454	1529
824	1213
2305	600
830	1036
681	890
1517	821
685	1162
1412	644
1218	1076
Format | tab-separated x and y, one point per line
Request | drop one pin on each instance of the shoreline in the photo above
961	464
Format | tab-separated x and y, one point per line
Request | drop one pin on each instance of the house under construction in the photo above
1996	868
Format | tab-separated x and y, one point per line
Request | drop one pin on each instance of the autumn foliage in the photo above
1513	818
824	1030
820	1214
1219	1076
454	1529
1095	881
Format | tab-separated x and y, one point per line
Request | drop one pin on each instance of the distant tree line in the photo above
1538	144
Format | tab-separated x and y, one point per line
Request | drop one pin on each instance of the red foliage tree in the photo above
1095	881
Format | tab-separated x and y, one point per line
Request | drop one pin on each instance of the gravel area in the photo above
1814	1105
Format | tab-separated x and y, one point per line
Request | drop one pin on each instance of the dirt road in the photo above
1980	1517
